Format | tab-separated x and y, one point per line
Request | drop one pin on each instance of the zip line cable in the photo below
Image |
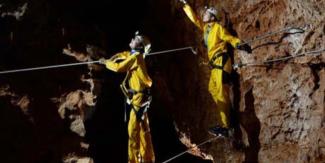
90	62
47	67
173	50
184	152
269	34
239	65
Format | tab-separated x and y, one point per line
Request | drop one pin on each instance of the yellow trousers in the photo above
220	94
140	145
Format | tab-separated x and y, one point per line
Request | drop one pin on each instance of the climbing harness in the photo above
217	55
90	62
290	30
143	109
144	106
225	75
267	62
128	94
184	152
140	112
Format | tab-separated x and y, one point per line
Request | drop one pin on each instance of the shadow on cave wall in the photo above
247	119
252	126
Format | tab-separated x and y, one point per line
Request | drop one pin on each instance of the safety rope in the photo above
90	62
239	65
184	152
269	34
47	67
173	50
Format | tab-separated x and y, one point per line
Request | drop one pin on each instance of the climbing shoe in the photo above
219	131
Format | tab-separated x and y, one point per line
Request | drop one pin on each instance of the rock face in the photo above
280	107
74	115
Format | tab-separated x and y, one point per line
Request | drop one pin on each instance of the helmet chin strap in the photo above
137	49
211	21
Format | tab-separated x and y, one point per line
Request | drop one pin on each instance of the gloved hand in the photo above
102	61
245	47
183	1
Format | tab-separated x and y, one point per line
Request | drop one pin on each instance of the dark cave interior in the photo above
38	40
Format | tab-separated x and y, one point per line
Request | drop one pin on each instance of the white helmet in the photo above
145	42
212	11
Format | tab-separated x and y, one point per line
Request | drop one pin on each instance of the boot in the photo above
219	131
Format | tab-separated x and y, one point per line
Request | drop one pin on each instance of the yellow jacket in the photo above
134	65
215	37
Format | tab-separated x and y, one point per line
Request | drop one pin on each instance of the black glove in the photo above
245	47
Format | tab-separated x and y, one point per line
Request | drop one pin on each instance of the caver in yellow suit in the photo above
216	38
138	80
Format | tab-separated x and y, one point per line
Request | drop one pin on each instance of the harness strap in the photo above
143	109
226	77
144	91
129	93
224	60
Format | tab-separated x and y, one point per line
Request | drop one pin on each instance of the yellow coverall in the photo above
140	145
216	38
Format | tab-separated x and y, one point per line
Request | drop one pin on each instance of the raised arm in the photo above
192	15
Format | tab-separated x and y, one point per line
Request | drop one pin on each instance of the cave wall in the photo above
279	108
